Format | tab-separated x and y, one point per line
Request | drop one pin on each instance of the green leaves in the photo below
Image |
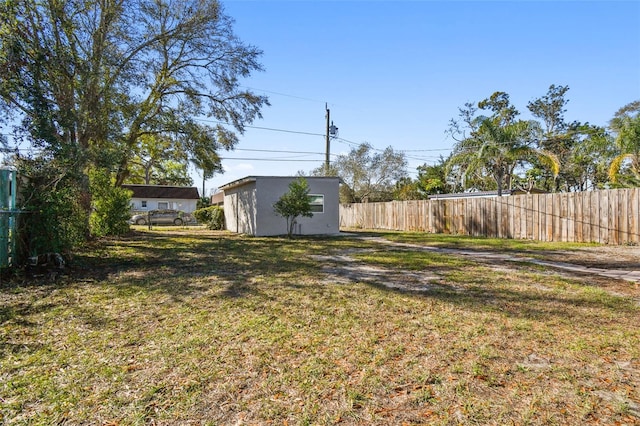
626	123
497	149
104	84
294	203
368	174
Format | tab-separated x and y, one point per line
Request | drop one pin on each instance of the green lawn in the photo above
189	326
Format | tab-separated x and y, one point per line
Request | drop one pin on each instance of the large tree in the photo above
625	166
432	179
496	150
86	81
581	148
495	145
367	174
550	108
158	162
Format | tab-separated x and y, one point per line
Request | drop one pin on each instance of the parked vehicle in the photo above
162	217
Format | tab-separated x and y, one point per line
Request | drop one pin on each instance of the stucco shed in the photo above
248	206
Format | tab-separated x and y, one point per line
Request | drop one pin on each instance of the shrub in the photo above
203	202
110	205
212	217
294	203
56	218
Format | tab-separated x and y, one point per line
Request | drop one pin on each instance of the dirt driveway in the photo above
605	257
615	269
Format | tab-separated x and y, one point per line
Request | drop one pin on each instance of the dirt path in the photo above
615	269
623	265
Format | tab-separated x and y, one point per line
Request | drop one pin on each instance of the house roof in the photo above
162	191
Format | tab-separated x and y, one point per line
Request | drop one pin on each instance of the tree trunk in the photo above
499	183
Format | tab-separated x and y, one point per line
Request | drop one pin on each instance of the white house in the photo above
248	206
159	197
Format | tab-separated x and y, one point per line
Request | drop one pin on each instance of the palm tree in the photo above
628	144
496	150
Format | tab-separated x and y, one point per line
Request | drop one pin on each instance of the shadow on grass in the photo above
179	264
515	290
578	253
185	264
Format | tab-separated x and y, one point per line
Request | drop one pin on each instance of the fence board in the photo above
623	222
594	212
571	217
610	217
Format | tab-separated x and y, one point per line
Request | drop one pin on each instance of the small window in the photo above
143	204
163	205
317	203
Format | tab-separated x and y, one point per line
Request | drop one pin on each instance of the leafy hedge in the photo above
212	217
110	205
55	201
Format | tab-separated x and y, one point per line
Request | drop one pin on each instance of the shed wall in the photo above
240	209
270	189
248	208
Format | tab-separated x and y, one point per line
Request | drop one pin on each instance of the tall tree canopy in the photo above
579	147
496	145
87	80
368	175
625	166
158	162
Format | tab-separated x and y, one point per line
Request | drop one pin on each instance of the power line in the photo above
279	151
270	159
338	139
203	120
283	94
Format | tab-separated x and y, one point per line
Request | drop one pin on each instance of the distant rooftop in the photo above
481	194
163	191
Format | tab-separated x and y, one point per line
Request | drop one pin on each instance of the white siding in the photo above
188	206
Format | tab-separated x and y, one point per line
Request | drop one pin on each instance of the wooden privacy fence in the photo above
608	216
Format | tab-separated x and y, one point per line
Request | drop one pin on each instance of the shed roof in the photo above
163	191
249	179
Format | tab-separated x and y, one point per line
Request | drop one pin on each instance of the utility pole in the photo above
331	132
328	148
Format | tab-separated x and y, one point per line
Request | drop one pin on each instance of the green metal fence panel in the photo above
8	217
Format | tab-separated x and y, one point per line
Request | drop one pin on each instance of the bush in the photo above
203	202
56	220
212	217
110	205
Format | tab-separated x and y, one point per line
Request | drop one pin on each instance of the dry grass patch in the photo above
199	327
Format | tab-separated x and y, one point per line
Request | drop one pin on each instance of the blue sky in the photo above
393	73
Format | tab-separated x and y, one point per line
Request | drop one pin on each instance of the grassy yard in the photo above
189	326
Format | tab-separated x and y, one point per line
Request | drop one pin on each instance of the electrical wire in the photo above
271	159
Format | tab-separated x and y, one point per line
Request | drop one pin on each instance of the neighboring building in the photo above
152	197
483	194
248	206
217	199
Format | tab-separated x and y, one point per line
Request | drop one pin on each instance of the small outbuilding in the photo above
248	206
162	197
